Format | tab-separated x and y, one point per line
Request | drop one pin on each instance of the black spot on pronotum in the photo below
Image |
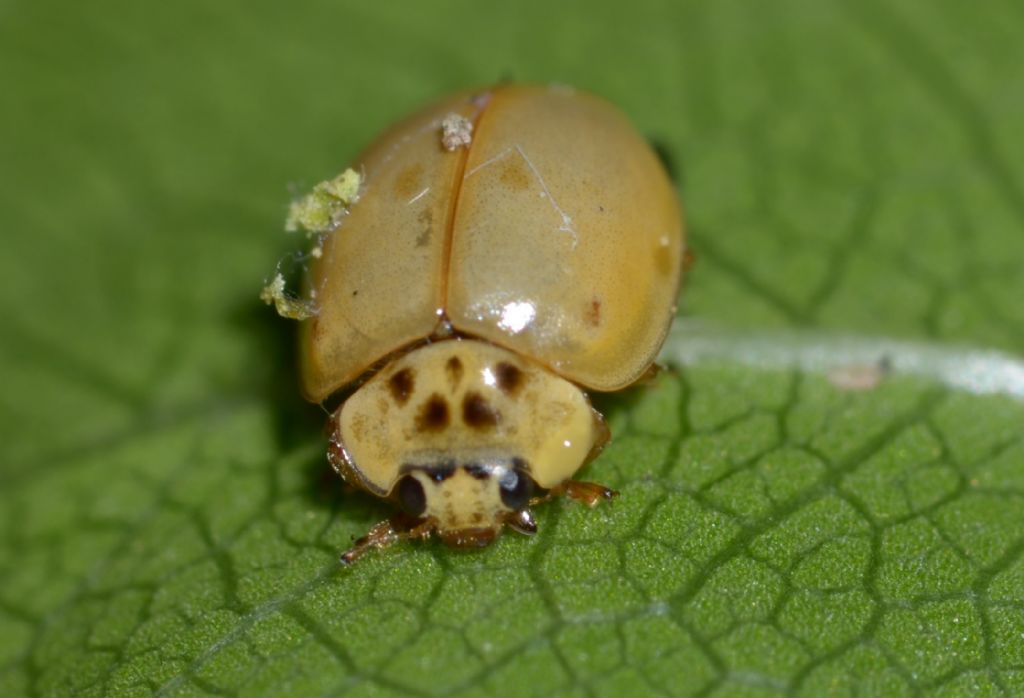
411	497
509	377
477	412
454	370
516	488
401	385
433	414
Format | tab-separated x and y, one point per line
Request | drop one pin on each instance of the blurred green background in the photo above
848	168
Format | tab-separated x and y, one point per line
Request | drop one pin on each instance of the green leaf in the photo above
824	496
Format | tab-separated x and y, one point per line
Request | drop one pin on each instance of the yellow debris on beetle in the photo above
508	250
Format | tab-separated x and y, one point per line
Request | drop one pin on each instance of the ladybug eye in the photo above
411	496
516	488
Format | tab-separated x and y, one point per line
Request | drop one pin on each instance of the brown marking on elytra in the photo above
426	219
663	259
514	175
433	414
408	182
454	370
401	385
478	413
510	378
592	313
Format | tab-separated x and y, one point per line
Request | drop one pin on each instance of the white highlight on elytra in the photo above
418	196
516	316
487	163
566	226
974	370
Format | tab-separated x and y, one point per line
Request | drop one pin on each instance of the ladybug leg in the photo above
589	493
650	376
386	534
522	521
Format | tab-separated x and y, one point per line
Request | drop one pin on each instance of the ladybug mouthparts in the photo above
469	537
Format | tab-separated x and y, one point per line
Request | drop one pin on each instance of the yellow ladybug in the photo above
508	249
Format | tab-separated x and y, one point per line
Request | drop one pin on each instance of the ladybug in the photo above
509	249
